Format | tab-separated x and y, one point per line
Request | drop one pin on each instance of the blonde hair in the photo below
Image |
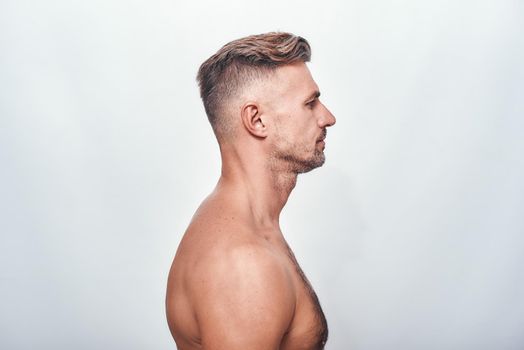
242	61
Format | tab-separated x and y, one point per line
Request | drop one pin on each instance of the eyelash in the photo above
311	104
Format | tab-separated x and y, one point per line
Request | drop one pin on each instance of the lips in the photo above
323	136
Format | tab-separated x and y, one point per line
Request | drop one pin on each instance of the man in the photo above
234	282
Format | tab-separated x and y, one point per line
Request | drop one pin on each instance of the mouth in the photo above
323	136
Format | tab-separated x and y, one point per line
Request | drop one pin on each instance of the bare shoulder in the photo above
232	283
240	262
245	298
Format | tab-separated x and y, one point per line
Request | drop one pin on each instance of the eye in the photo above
311	103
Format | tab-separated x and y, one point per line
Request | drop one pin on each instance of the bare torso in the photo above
215	231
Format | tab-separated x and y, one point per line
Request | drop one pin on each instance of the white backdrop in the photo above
412	233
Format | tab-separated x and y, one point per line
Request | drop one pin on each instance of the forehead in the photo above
294	81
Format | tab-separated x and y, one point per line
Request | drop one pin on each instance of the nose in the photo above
326	118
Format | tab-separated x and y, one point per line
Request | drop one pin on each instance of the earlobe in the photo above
252	119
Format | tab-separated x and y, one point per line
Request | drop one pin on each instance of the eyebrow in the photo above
315	94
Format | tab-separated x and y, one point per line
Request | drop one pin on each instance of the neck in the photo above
257	185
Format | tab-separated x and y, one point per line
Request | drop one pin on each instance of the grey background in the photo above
412	233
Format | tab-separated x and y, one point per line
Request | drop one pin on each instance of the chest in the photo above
308	329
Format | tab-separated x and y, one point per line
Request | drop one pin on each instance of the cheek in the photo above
297	129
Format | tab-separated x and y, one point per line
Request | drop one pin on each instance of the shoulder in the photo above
240	262
244	291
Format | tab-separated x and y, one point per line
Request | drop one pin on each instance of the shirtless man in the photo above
235	283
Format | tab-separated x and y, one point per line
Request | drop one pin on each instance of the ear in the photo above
252	119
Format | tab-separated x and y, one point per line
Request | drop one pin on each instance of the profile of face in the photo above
299	119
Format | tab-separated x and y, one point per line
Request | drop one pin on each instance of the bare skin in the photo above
234	282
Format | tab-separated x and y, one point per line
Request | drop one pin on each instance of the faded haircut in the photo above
240	62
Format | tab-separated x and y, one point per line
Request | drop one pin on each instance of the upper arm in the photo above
243	300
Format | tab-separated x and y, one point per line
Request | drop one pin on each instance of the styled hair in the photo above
240	62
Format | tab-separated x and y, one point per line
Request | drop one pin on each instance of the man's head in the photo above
260	86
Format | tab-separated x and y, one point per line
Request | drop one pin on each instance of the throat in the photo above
284	183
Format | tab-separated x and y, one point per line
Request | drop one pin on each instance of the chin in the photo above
314	162
299	163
